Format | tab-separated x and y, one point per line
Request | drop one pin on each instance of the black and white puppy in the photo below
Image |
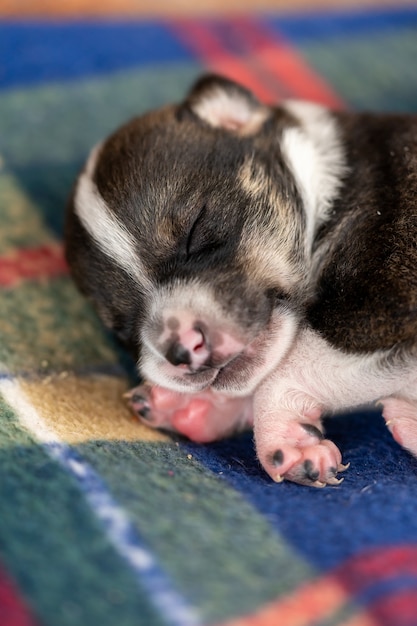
261	263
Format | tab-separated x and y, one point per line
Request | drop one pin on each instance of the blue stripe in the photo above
380	484
39	52
126	539
319	26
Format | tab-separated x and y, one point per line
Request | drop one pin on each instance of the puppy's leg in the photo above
401	418
202	417
289	404
317	377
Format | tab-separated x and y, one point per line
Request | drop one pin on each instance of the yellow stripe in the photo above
80	409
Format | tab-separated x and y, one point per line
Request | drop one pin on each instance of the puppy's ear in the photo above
222	103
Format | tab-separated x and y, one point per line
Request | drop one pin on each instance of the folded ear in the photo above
222	103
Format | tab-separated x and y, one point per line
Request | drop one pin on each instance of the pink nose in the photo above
190	349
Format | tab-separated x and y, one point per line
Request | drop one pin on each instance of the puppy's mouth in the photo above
238	376
186	378
228	374
233	375
207	375
215	375
237	370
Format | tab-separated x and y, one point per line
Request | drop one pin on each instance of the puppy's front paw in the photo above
161	408
201	417
301	455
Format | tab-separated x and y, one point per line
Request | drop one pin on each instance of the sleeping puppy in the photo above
260	262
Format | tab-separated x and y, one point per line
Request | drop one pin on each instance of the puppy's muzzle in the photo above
196	346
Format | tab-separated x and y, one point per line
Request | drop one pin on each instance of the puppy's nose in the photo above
189	349
178	355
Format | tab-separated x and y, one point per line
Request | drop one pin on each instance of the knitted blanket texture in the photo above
103	521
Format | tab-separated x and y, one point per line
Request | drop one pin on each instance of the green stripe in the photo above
53	546
48	326
48	185
221	552
21	224
66	119
46	149
348	65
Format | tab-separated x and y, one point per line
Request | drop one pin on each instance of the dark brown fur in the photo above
366	296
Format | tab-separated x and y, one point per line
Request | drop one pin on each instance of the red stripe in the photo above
314	602
399	609
32	263
378	565
13	611
202	39
257	58
326	596
285	64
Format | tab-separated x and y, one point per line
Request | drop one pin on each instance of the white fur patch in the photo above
316	159
191	295
232	111
103	226
317	374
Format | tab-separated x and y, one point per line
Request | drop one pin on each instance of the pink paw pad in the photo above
192	421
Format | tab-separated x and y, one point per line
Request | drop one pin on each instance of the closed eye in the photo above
192	245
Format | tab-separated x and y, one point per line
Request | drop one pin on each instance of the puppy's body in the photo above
263	255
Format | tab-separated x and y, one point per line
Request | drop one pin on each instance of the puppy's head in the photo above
188	231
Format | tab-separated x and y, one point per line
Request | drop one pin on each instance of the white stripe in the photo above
316	158
118	527
26	412
111	236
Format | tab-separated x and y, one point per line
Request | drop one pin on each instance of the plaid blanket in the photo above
103	521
